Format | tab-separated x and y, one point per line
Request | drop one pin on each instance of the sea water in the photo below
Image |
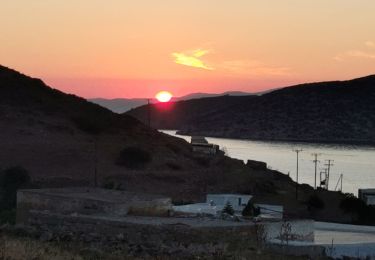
356	163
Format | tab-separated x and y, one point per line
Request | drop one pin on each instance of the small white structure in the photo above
200	145
270	211
367	195
215	204
237	201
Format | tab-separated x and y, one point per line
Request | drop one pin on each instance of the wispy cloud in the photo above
359	53
236	67
192	59
254	67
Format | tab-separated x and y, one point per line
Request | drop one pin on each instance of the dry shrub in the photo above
23	248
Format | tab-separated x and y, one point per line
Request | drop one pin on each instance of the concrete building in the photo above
215	204
200	145
90	201
270	211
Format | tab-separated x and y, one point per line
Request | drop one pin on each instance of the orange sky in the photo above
124	48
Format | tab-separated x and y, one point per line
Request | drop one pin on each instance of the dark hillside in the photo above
62	140
338	111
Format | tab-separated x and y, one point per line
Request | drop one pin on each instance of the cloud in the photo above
361	54
240	67
355	54
192	59
254	67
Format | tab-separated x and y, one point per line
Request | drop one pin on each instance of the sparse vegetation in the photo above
361	213
89	124
25	248
314	202
173	166
228	209
250	210
134	157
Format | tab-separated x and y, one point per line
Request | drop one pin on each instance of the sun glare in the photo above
163	96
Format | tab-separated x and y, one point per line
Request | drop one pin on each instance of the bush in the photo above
314	202
133	157
228	209
363	213
351	204
250	210
89	124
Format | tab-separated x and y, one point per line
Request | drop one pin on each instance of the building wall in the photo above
65	202
233	199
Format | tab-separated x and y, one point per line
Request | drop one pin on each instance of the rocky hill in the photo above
63	140
338	111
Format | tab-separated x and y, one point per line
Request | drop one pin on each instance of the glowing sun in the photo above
163	96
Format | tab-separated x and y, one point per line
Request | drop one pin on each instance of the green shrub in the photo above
228	209
134	157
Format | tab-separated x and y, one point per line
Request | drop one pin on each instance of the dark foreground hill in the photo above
338	111
62	140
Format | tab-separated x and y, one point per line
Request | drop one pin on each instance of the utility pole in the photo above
323	182
339	181
316	164
96	162
328	164
297	152
342	177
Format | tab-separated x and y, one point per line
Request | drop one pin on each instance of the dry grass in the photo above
24	248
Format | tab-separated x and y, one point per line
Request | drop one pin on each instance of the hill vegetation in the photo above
338	111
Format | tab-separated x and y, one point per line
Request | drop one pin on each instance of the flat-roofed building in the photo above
201	145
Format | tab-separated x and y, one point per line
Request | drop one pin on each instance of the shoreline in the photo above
362	143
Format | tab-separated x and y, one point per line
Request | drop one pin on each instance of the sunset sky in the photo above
124	48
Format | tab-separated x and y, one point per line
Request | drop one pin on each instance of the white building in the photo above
215	204
270	211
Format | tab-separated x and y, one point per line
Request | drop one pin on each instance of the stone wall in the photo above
90	201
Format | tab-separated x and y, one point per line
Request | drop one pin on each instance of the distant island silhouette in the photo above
335	112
